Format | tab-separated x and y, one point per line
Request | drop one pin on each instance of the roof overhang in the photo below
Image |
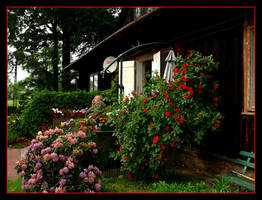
159	25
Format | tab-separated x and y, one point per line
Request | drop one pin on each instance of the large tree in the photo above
48	36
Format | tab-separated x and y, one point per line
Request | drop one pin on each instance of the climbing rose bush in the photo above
60	161
167	115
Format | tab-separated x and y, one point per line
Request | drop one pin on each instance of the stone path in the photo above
13	156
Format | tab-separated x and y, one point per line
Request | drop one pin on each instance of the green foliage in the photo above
167	115
14	128
12	109
110	96
162	186
38	109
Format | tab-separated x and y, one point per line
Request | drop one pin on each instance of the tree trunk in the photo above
55	55
65	59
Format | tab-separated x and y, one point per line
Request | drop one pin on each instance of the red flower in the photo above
156	92
129	175
216	104
202	74
171	104
171	88
165	93
181	120
125	158
177	110
123	112
167	97
167	113
199	86
163	147
165	159
156	140
157	79
166	128
200	92
186	79
159	158
186	96
215	99
144	110
144	101
172	144
152	124
176	69
156	176
215	86
199	116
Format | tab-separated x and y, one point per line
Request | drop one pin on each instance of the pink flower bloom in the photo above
91	180
53	155
24	166
71	166
82	175
57	145
61	172
81	134
97	187
23	173
46	157
65	170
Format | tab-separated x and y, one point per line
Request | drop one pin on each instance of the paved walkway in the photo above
13	156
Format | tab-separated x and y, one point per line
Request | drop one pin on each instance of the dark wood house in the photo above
226	33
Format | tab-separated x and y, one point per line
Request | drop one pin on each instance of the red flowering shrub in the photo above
167	115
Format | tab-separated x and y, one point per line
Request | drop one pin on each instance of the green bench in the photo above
240	178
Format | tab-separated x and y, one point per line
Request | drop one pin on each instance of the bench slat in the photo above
245	163
247	154
241	181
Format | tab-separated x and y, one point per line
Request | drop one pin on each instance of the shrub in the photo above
14	130
167	115
12	109
54	162
38	109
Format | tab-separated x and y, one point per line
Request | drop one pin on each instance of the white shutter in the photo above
128	77
156	64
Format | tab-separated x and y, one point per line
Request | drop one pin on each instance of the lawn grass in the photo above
115	184
126	185
15	185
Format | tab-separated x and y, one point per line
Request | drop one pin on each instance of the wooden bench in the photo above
240	178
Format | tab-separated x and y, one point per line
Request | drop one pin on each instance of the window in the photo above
93	82
249	69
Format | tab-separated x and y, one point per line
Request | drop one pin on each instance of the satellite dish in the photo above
107	62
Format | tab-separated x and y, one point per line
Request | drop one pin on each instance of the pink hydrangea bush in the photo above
57	161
